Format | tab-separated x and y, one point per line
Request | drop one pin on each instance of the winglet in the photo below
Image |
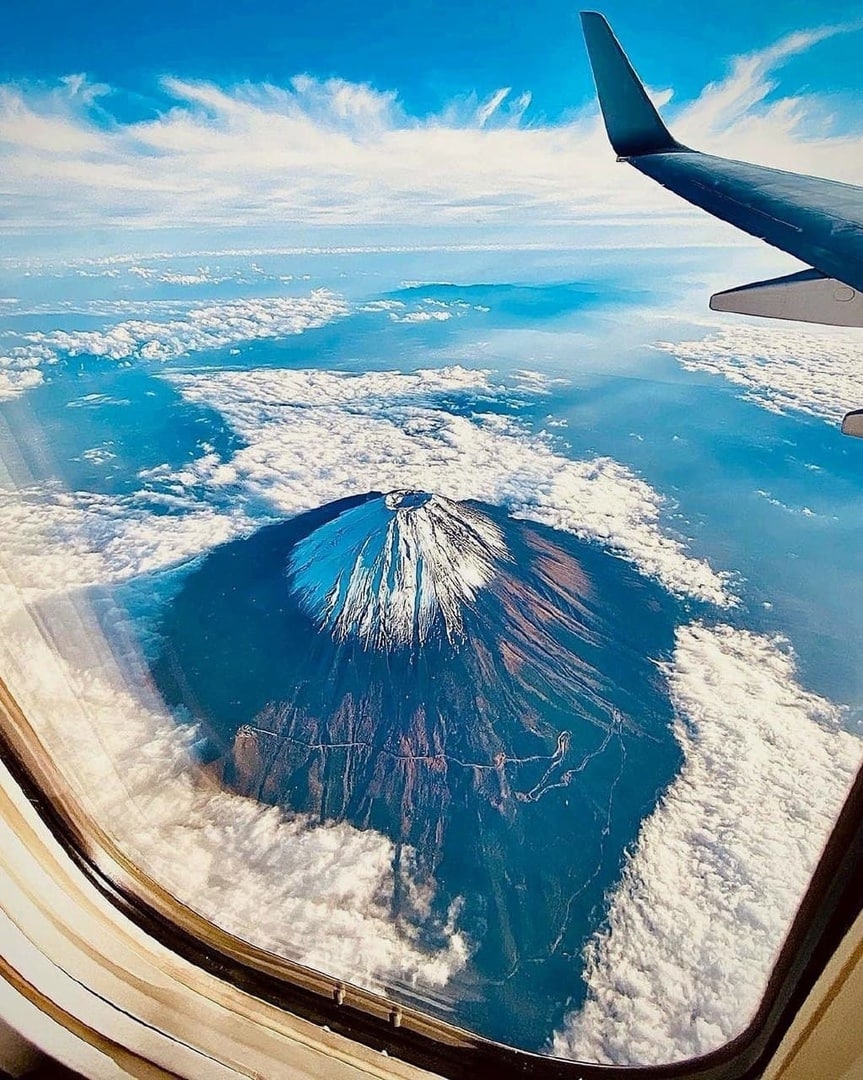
634	126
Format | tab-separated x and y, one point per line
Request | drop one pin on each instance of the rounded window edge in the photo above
828	910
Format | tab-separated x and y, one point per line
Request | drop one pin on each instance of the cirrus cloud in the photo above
330	152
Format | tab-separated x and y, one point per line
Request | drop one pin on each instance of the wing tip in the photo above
633	125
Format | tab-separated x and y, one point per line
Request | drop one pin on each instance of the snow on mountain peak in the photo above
397	569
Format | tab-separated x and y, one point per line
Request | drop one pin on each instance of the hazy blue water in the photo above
775	499
99	428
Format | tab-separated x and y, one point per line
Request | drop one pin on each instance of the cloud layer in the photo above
315	436
782	368
58	541
336	153
202	327
720	867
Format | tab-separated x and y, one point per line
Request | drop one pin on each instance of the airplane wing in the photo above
818	221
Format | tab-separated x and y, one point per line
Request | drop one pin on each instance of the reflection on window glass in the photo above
521	692
464	613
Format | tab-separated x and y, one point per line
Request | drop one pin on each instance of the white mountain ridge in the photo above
397	569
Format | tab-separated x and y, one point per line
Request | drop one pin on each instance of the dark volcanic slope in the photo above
482	690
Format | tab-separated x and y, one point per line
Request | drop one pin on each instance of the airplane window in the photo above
470	620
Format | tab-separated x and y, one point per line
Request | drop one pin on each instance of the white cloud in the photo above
721	865
736	117
782	368
201	276
19	369
315	436
488	108
147	269
59	541
195	328
208	326
428	310
262	875
421	316
14	381
330	152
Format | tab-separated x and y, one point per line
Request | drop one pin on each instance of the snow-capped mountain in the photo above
485	691
397	569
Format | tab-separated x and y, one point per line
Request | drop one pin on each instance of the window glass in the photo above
462	611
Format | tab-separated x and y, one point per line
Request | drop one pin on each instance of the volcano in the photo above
485	691
397	570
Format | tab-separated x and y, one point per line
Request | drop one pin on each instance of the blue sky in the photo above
427	50
419	118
